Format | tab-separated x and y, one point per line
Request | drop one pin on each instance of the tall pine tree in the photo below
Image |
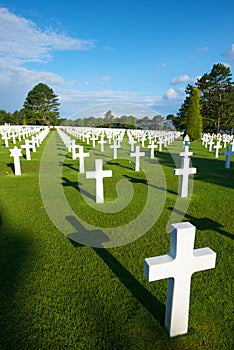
193	115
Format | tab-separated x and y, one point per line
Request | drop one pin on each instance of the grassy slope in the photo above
59	295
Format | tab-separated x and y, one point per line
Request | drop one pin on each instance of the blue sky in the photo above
133	57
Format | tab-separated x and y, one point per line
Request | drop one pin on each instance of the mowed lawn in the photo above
57	294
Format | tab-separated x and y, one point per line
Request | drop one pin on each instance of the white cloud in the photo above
21	40
16	81
230	53
181	79
171	94
17	75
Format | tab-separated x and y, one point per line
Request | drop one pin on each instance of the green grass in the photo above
58	294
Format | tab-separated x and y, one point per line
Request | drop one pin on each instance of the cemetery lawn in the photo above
57	294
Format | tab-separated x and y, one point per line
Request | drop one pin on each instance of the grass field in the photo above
59	294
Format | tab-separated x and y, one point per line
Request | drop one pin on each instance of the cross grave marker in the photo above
137	154
228	155
16	153
178	266
98	175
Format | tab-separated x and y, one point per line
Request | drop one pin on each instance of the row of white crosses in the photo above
12	133
182	260
185	169
211	139
156	139
99	174
219	141
117	137
16	152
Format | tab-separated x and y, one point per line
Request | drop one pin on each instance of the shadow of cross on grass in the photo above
142	295
146	182
76	185
204	223
11	166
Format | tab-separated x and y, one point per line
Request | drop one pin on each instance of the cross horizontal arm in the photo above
157	268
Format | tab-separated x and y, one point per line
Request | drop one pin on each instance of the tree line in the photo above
208	107
125	122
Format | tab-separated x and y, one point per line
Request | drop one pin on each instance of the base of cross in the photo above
178	266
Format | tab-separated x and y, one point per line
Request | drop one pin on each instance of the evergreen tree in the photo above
181	118
217	93
41	105
194	119
217	100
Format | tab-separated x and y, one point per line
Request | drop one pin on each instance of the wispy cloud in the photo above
73	101
184	78
181	79
172	94
17	75
230	53
21	40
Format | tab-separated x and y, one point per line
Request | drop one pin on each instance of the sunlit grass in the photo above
61	295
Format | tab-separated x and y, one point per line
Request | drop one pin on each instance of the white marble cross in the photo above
186	153
5	137
137	155
36	141
228	155
132	143
204	138
210	143
143	139
178	266
13	136
81	155
93	138
225	141
115	146
99	174
16	153
32	144
160	143
152	146
27	147
232	144
185	171
102	142
217	147
186	140
74	147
